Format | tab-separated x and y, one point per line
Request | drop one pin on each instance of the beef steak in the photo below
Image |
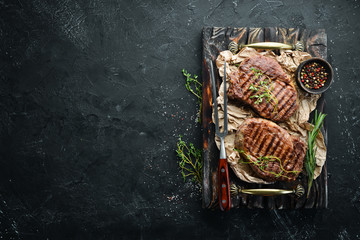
270	150
261	83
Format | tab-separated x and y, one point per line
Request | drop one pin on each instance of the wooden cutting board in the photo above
217	39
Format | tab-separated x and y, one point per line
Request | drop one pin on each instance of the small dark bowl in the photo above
328	69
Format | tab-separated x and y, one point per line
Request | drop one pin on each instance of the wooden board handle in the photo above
224	186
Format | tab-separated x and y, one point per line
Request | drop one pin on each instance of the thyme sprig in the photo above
191	162
258	73
262	162
263	90
310	159
191	83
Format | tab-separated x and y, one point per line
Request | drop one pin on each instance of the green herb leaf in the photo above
310	159
191	162
252	87
263	90
262	163
195	87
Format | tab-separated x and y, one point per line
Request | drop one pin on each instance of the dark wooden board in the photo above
215	40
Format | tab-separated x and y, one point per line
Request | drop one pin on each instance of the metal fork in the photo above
223	175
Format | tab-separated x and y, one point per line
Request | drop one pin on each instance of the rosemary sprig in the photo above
191	83
191	162
310	159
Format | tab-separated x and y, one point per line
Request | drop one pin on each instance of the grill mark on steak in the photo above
255	83
299	153
281	96
288	151
284	151
268	108
277	148
265	146
264	107
246	84
281	87
235	92
256	138
285	101
260	107
247	76
289	164
255	130
269	145
290	108
259	146
277	91
267	65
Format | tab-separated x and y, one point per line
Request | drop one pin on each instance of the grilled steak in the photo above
270	150
261	83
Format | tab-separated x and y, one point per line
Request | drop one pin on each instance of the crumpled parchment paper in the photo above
296	125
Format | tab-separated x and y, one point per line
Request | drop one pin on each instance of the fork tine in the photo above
225	102
212	79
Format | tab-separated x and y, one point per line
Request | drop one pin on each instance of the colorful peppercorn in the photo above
313	75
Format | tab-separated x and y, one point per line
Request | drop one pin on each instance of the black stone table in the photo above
93	100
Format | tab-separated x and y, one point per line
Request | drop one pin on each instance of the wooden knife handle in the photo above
224	186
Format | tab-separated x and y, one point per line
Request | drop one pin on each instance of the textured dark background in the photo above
92	100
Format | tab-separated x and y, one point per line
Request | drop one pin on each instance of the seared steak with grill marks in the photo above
261	83
270	150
